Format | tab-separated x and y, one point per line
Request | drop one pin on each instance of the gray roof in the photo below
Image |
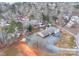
49	31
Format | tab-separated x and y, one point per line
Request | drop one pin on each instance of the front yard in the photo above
67	41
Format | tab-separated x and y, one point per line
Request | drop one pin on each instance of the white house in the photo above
70	23
3	23
74	19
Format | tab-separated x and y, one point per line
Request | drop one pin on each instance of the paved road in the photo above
55	49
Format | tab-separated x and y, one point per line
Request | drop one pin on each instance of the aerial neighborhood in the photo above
39	29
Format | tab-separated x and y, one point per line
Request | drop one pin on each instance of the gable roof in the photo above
48	31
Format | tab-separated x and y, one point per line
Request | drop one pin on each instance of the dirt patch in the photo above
67	41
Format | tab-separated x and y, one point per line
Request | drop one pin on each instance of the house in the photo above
25	21
3	23
73	20
22	18
48	31
70	23
43	33
66	17
67	14
42	39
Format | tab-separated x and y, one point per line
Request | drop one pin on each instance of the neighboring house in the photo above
66	17
22	18
3	23
73	20
70	23
25	21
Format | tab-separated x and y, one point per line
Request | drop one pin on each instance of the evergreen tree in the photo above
30	28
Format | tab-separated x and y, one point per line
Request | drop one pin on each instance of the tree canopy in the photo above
76	6
12	26
54	17
45	17
30	27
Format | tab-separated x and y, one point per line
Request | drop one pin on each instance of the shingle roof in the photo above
48	31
